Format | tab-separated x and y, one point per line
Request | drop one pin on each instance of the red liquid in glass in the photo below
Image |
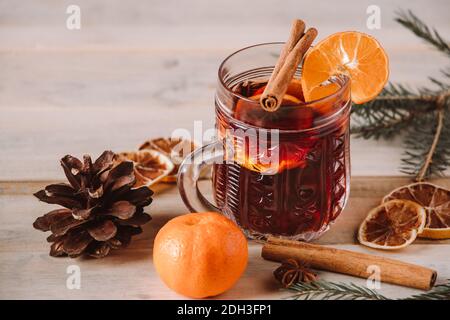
310	188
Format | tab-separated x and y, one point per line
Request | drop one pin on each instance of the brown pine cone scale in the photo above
101	209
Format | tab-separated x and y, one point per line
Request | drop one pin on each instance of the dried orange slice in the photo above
435	200
352	53
174	148
392	225
150	166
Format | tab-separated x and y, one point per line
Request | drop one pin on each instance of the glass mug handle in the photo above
190	172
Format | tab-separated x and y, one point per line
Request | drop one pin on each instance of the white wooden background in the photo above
140	69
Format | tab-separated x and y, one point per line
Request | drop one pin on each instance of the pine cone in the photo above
102	210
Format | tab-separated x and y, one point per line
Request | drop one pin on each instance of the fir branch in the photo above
430	35
428	146
326	290
426	168
422	114
439	292
391	113
332	290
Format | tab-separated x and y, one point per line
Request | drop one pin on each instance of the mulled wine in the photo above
305	188
282	172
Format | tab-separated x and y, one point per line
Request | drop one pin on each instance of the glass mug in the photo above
284	173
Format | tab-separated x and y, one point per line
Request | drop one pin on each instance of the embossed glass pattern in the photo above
306	190
299	201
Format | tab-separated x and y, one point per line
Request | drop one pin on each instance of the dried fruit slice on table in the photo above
351	53
176	149
435	200
392	225
150	166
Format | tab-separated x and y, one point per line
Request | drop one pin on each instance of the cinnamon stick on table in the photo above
290	57
349	262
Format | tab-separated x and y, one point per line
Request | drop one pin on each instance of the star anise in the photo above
292	271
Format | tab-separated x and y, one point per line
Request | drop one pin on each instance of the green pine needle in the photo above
332	290
417	144
430	35
390	114
439	292
326	290
414	114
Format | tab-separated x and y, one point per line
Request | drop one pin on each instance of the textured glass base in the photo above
306	236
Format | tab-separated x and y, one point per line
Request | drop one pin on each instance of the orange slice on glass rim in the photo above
351	53
436	202
174	148
150	166
392	225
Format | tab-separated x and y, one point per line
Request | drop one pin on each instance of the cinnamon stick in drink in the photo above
297	31
285	69
350	262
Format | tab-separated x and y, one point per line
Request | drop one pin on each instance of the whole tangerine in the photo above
200	255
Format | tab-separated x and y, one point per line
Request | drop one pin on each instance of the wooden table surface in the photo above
142	69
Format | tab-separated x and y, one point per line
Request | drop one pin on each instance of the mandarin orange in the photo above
200	255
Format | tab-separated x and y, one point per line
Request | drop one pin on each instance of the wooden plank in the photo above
195	24
88	102
200	12
122	80
129	274
19	209
157	38
98	91
34	140
143	69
